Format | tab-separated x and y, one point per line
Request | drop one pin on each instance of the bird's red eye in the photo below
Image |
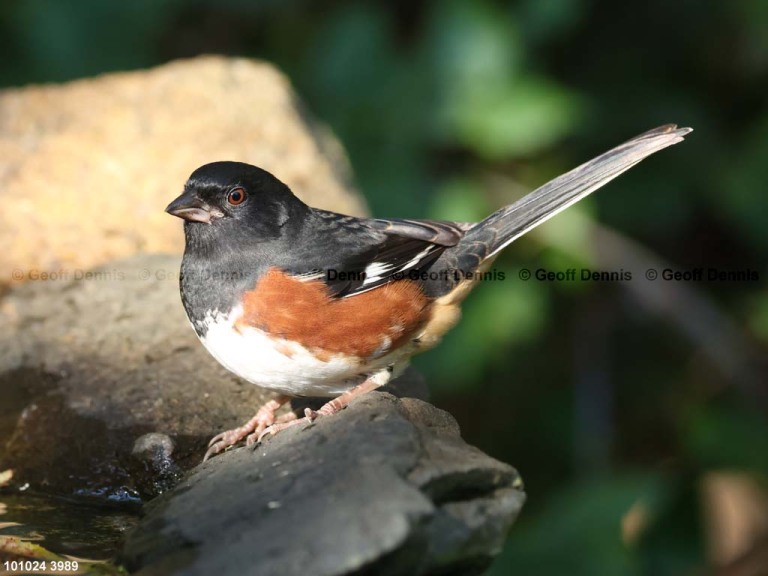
236	196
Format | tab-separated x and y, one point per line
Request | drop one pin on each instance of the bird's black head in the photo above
235	201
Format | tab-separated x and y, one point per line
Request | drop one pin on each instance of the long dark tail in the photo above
488	237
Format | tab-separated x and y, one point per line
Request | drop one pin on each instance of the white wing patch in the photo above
377	271
309	276
418	258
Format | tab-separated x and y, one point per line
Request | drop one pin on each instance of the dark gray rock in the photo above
387	486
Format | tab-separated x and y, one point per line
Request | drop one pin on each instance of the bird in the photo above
311	303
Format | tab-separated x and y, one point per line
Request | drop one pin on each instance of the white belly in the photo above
281	365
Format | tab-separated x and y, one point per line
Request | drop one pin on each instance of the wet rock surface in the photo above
387	486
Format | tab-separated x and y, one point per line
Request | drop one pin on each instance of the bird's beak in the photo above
190	208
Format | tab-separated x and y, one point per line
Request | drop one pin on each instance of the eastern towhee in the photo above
308	302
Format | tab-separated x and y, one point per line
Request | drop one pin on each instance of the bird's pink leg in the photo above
336	405
264	418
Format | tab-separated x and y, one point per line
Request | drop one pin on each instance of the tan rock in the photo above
86	168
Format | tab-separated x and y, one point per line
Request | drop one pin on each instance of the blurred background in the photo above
636	411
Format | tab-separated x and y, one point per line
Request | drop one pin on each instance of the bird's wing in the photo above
394	249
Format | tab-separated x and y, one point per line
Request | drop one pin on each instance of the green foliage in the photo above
578	532
746	168
460	199
724	436
490	104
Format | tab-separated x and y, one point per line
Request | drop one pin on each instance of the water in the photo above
50	529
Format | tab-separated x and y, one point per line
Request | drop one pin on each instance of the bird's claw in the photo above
228	438
282	424
251	429
214	449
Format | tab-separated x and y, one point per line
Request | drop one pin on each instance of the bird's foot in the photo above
252	429
282	424
329	408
